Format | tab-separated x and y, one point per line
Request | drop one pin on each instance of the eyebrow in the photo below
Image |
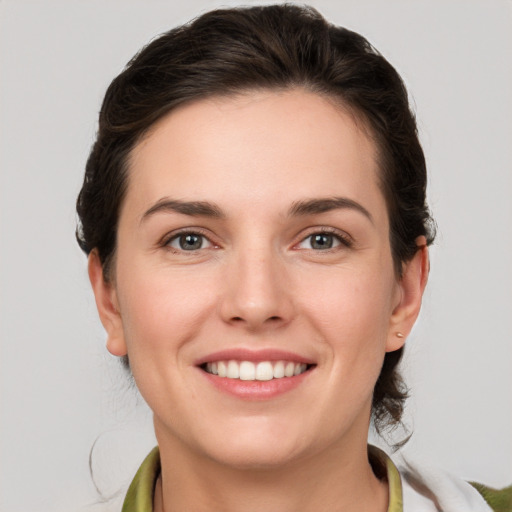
322	205
298	208
192	208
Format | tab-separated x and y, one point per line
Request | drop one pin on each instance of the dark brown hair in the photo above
229	51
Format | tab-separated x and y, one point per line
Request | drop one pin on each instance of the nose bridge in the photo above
256	294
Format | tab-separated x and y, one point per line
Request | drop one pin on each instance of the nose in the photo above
257	293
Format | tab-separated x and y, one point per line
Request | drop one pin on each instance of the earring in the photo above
399	335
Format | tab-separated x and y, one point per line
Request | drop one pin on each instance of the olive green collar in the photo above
139	497
392	475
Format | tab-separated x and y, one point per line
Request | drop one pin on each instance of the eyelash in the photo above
342	238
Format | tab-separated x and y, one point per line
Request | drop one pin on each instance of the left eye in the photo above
320	241
189	242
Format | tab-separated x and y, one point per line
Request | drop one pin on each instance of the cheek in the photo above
351	299
351	312
162	310
162	314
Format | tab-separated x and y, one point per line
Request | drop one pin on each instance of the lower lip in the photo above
256	389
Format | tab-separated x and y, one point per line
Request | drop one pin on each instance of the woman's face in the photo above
254	238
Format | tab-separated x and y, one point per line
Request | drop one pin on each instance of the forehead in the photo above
265	145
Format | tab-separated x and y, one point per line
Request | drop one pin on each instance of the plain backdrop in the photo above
61	392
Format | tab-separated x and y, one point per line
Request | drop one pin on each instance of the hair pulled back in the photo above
277	47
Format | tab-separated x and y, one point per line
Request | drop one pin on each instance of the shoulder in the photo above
500	500
427	489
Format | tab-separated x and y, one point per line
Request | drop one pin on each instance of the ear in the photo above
411	287
106	302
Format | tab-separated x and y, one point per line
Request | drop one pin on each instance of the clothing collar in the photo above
139	497
392	475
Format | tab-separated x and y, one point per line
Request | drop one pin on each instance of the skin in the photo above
259	283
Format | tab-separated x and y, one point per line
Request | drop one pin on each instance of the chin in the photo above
256	457
263	446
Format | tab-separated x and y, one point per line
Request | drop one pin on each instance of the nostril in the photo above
271	319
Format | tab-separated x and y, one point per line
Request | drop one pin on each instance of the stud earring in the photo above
399	335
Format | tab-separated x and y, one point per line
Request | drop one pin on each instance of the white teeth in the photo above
262	371
299	368
233	370
279	370
221	369
247	370
288	370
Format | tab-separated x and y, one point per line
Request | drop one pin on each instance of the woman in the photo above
254	214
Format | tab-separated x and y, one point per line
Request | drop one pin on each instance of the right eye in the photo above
189	241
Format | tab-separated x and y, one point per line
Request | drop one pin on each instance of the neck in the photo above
336	480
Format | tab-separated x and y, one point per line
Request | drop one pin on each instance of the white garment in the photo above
429	490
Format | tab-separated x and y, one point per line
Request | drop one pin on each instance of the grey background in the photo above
59	389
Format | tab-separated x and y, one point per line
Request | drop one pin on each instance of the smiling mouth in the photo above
250	371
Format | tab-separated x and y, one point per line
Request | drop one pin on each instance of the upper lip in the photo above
244	354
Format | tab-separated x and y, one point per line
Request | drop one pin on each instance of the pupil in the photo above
190	242
321	241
